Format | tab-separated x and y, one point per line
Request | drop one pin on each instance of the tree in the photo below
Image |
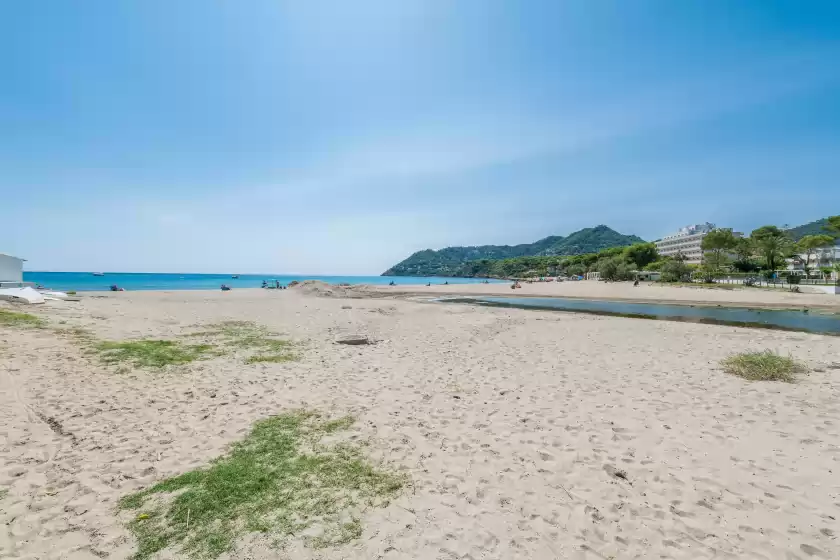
833	226
708	272
743	250
809	244
615	268
675	270
658	264
576	270
716	245
641	254
772	245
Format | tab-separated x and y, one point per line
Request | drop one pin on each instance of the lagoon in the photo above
792	320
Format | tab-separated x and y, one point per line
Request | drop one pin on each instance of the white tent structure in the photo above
11	269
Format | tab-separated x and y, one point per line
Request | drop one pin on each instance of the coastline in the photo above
624	292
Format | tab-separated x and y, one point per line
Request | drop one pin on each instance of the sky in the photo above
334	137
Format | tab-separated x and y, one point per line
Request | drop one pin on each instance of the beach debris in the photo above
354	340
55	426
615	472
347	307
21	295
597	516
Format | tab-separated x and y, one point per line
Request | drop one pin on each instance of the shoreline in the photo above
618	292
745	298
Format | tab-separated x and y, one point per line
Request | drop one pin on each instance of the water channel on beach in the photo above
791	320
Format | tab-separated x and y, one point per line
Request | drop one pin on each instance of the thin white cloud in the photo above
461	143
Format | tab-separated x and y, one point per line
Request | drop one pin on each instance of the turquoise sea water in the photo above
86	281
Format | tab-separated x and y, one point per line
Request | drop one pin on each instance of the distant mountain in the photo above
812	228
447	262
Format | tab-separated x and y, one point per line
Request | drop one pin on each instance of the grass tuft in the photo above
279	481
271	358
249	336
22	320
152	353
79	333
763	366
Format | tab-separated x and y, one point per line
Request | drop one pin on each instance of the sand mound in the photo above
322	289
315	288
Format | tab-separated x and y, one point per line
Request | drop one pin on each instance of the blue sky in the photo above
339	137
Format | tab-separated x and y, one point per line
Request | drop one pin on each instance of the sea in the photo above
130	281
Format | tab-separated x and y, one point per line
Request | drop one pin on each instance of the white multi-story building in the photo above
685	242
820	258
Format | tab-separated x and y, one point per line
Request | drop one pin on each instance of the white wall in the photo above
11	269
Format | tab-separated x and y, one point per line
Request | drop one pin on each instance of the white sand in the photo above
505	420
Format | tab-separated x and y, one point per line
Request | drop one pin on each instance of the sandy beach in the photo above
524	434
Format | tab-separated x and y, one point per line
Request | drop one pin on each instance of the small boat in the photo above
235	276
21	295
98	273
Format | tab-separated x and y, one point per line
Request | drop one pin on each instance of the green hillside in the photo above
812	228
450	261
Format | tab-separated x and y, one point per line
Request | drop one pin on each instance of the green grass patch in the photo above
152	353
280	481
21	320
248	336
763	366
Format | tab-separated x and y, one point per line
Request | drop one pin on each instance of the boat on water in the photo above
235	276
98	273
